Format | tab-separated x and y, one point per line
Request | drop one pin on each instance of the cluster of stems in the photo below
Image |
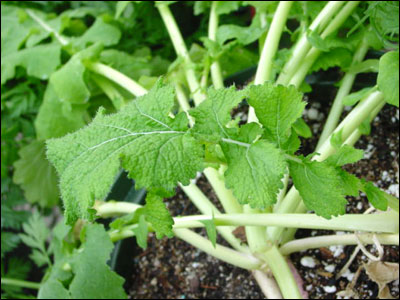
269	233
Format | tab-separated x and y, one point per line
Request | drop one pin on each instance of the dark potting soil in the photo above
172	269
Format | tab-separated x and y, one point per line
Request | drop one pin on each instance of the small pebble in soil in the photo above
330	289
308	261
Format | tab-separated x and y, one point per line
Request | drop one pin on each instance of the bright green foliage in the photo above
345	155
69	82
339	57
36	176
320	187
39	61
9	241
158	216
212	115
101	32
254	172
375	196
353	98
223	7
350	183
277	108
301	128
35	236
92	277
243	35
57	118
388	77
141	232
155	149
211	231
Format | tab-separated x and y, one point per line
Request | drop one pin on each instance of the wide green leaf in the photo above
156	149
388	77
37	177
320	187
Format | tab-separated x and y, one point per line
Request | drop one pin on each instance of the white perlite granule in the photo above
307	261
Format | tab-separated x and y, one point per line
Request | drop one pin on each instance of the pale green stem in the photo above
271	43
243	260
344	90
216	73
181	50
124	81
20	283
383	222
115	208
62	40
282	273
302	46
183	103
331	240
313	54
111	92
267	285
205	206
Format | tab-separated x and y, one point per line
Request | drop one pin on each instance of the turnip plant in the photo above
164	140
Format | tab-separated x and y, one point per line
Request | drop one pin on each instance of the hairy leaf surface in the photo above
155	149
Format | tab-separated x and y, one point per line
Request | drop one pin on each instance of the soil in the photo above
172	269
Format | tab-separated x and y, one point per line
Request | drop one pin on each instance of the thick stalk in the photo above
344	90
283	275
271	43
331	240
267	285
313	54
216	73
181	50
20	283
111	92
245	261
124	81
302	46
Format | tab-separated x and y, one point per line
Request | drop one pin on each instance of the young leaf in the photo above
277	108
254	172
301	128
158	216
320	187
68	82
39	61
388	77
214	113
57	118
157	151
91	270
353	98
211	231
350	183
375	196
141	232
345	155
36	176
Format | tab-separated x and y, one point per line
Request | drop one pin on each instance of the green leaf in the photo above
366	66
244	35
331	42
213	114
254	172
36	176
320	187
353	98
339	57
93	277
68	82
350	183
301	128
35	236
388	77
375	196
40	61
345	155
99	32
141	232
57	118
157	151
120	8
158	216
53	289
277	108
211	231
9	241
